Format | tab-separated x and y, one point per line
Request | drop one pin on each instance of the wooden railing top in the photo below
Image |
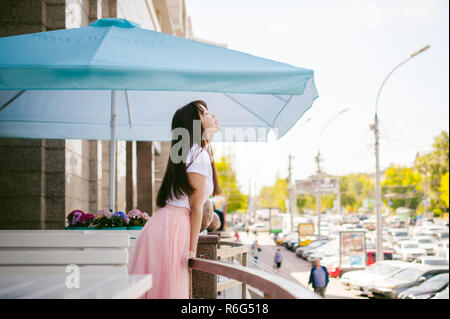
272	285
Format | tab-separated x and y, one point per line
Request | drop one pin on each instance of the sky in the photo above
351	45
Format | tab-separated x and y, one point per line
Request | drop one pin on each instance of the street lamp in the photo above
379	252
291	181
319	200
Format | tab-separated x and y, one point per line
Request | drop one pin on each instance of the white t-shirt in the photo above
201	165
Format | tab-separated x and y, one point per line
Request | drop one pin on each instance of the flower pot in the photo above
79	228
114	228
135	227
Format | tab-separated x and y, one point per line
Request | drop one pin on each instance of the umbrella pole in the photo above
112	175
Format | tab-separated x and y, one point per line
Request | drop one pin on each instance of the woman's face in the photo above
209	122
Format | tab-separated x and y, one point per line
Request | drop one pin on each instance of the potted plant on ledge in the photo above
104	219
78	220
136	219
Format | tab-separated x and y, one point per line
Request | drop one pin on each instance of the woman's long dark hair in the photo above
175	177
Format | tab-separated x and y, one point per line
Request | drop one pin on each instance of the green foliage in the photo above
402	186
356	187
306	202
236	201
432	167
444	189
274	196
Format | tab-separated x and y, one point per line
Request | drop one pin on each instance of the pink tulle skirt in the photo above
162	250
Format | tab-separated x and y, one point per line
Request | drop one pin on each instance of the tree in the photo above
432	167
236	200
274	196
444	189
402	187
354	188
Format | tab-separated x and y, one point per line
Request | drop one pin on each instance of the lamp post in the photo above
379	253
319	173
291	181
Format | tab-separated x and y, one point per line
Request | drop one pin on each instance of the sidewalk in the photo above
293	267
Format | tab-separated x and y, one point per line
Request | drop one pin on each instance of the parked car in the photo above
361	280
329	249
442	249
408	250
396	234
290	243
302	251
332	263
371	255
285	236
288	238
426	242
412	275
432	260
426	289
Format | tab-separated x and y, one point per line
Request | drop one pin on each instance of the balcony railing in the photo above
272	285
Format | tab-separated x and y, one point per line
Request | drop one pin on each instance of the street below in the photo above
293	267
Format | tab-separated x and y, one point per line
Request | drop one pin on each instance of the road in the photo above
294	267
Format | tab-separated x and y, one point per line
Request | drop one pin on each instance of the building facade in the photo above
42	181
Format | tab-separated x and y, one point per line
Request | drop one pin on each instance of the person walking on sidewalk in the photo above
278	258
256	249
318	278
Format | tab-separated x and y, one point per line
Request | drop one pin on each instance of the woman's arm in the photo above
198	182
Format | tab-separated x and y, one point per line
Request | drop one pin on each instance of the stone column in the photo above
204	285
22	184
131	176
145	177
95	176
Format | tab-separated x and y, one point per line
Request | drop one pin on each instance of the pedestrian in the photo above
256	249
278	258
318	278
169	238
236	237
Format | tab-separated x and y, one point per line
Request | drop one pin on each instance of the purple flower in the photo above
120	214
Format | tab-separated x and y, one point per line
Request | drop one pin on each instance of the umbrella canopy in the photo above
58	84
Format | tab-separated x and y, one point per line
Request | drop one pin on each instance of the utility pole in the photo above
379	254
338	182
319	199
291	184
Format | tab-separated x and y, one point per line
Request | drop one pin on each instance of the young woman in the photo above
169	239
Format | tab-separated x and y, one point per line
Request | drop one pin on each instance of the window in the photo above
436	262
425	241
408	274
436	282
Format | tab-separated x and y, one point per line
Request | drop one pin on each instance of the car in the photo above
290	243
388	254
426	289
288	238
395	234
361	280
302	251
259	228
331	263
412	275
443	235
432	260
442	249
408	250
426	242
329	249
285	236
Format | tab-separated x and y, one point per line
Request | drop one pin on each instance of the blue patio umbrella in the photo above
114	80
